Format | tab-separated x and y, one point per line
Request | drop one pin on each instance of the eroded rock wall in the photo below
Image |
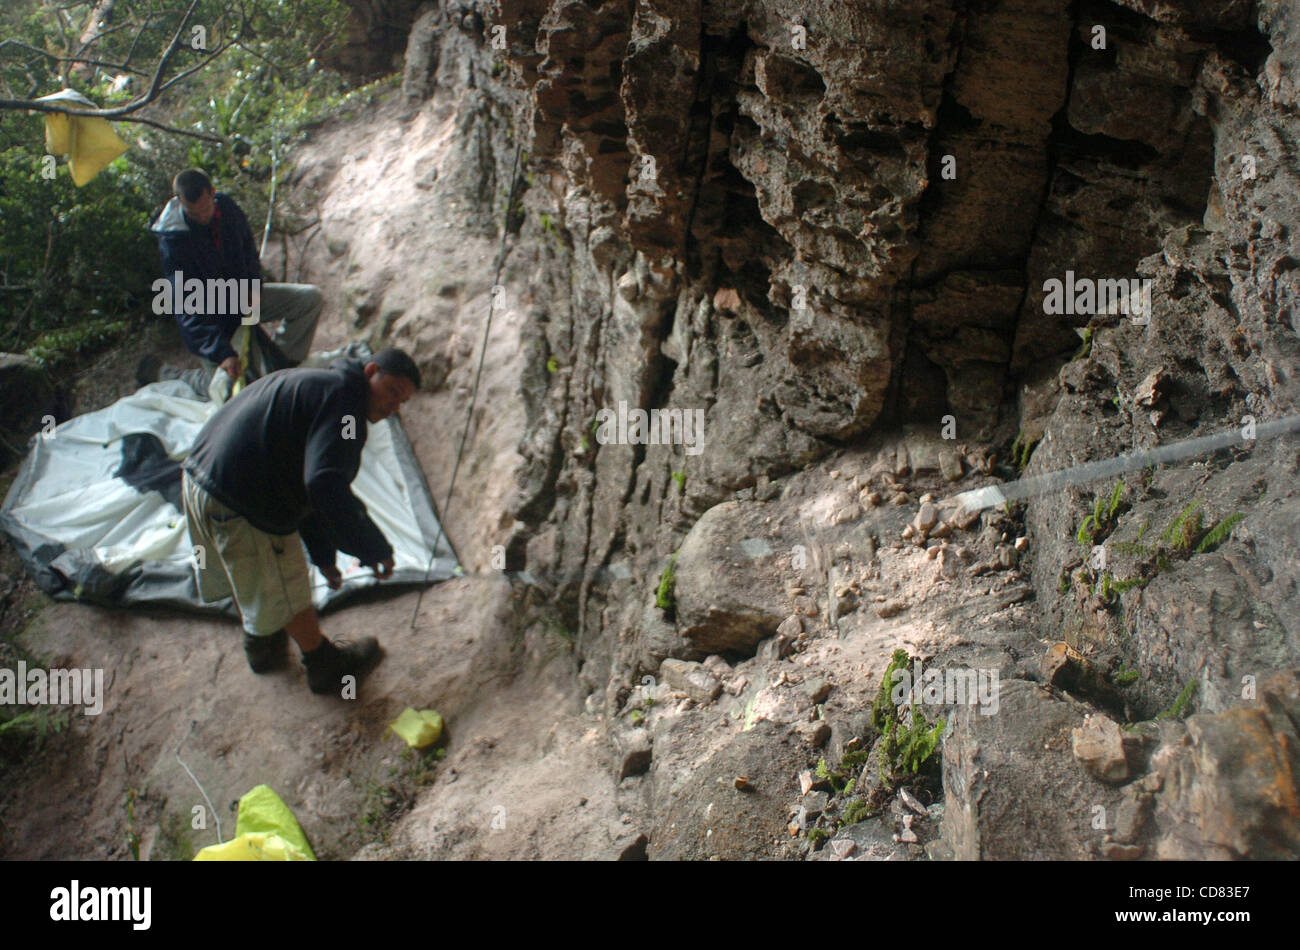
819	222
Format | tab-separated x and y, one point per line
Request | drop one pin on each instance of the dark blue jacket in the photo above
278	454
192	249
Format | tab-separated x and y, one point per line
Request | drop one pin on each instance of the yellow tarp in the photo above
89	142
418	729
266	830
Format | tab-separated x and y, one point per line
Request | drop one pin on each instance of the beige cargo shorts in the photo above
266	573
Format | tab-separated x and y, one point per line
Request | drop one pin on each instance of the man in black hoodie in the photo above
211	271
272	466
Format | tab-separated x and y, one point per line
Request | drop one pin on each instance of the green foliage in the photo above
1085	350
1219	533
903	749
1180	704
883	710
1177	533
664	596
552	365
909	751
1101	522
388	800
817	835
1125	677
680	479
70	256
1021	449
54	347
854	812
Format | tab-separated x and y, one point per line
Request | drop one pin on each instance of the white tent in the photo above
95	509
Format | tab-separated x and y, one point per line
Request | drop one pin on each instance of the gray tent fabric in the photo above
95	514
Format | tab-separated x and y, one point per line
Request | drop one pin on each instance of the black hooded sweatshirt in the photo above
278	454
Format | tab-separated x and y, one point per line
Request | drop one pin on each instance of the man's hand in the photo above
231	365
333	576
384	569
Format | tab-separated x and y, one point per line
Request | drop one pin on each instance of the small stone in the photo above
814	805
1122	852
950	466
841	848
927	498
816	689
835	473
1157	417
1022	543
742	782
869	499
717	666
927	517
736	685
912	802
932	553
1151	389
805	781
1098	746
690	678
964	518
909	532
890	608
791	626
908	836
814	733
900	498
942	530
1006	557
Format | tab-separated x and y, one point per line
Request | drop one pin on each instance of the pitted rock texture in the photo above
829	227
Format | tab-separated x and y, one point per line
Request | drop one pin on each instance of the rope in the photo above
478	373
215	814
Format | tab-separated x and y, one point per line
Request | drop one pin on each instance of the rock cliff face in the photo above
831	227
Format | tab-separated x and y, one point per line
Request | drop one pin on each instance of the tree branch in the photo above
70	59
156	86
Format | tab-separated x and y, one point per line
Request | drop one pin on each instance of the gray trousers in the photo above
296	306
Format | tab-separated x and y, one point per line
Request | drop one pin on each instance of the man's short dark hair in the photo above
191	184
395	362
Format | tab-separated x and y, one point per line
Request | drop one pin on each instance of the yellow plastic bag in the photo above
266	830
418	729
89	142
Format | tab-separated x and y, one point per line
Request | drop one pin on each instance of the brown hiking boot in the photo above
330	662
266	653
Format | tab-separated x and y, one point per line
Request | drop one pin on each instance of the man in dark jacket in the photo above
212	283
273	465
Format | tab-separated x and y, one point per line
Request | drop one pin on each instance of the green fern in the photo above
1177	523
883	711
1218	534
1180	704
